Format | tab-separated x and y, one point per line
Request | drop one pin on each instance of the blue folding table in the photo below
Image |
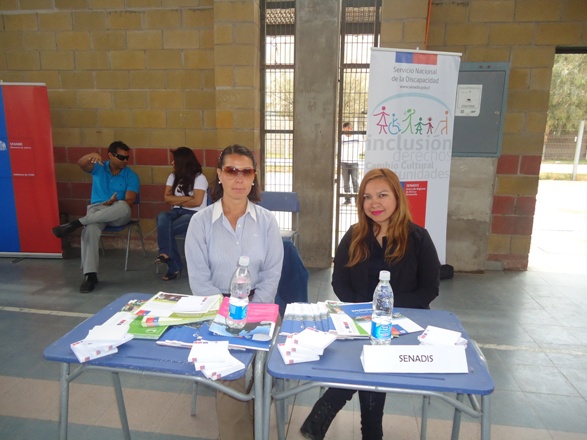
340	367
144	357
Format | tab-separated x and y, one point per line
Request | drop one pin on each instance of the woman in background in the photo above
385	238
185	191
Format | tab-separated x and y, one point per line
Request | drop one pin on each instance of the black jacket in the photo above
414	279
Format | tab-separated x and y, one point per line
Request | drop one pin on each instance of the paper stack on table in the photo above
101	340
440	336
306	346
213	359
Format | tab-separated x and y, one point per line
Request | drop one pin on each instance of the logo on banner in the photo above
3	146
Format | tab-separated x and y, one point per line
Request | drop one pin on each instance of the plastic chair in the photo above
284	202
134	223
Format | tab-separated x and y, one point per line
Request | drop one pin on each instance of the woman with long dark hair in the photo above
185	191
385	238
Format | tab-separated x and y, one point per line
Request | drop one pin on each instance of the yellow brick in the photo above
225	119
114	118
208	79
144	173
236	55
575	11
91	60
245	77
446	12
195	18
128	59
245	119
126	20
62	98
65	137
160	174
236	11
523	143
147	79
519	79
9	5
109	40
436	35
130	99
200	99
145	39
49	77
10	41
38	41
164	59
516	185
36	4
168	138
538	10
149	118
559	33
210	119
20	22
55	21
533	57
513	122
70	4
3	66
492	11
74	41
133	137
529	100
236	98
184	79
181	39
68	173
112	80
198	59
191	119
101	137
509	34
415	32
498	244
224	76
78	118
520	244
483	54
536	123
246	33
29	60
162	19
207	39
106	4
77	80
165	99
477	34
89	21
94	99
224	33
540	79
202	139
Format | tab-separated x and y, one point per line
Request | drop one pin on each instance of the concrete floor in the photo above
531	326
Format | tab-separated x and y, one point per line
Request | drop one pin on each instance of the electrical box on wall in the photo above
480	109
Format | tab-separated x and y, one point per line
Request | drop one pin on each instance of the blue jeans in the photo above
170	224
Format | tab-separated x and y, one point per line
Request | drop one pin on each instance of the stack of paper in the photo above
101	340
213	359
305	346
176	309
441	336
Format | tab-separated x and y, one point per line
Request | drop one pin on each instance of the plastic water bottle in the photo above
382	311
240	287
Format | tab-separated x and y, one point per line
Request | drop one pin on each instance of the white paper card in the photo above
439	336
414	359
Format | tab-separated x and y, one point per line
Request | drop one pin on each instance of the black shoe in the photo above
66	229
319	420
90	281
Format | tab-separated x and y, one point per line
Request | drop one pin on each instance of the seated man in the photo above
114	190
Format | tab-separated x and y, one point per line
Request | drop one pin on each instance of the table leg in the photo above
194	397
486	417
424	422
121	407
280	410
456	420
267	387
259	368
63	401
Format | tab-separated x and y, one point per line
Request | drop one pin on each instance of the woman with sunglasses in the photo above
217	236
185	191
385	238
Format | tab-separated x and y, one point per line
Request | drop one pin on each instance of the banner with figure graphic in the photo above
410	129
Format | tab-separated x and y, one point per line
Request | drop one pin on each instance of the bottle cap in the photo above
243	260
384	275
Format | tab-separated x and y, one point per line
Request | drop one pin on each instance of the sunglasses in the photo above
120	156
233	172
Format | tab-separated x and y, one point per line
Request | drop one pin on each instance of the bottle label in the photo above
380	331
237	312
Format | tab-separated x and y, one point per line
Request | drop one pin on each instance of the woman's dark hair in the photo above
186	169
216	190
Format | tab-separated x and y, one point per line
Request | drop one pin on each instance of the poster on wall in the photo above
410	128
28	188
